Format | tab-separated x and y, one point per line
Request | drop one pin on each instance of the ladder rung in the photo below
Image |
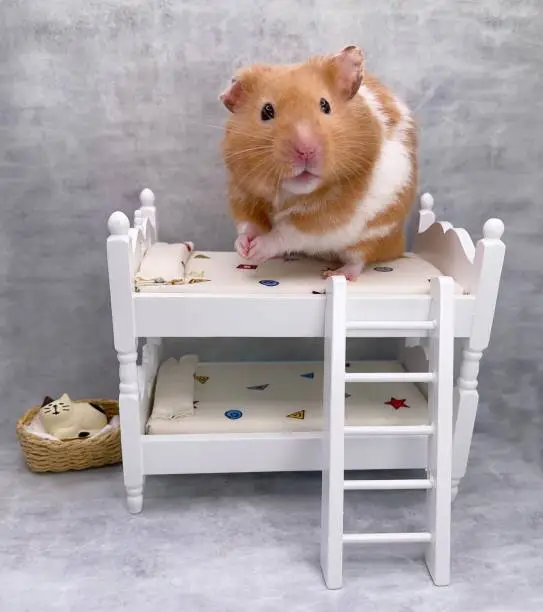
387	485
386	538
389	377
390	325
389	430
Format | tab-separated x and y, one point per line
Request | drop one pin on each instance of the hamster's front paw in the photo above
263	248
243	244
350	271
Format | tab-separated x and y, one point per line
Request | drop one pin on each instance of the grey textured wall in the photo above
98	99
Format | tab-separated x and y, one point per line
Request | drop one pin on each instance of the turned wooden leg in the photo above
466	400
131	430
134	498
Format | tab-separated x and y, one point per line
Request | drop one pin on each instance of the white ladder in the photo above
440	331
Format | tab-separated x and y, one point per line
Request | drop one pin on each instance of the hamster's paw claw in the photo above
243	244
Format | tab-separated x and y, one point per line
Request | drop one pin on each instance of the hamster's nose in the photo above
305	145
304	151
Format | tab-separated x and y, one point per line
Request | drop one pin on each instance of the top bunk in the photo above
155	275
179	268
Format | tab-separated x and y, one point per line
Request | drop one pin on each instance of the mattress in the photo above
178	268
280	397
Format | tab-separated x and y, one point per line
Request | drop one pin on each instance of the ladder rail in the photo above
389	430
387	538
405	484
440	407
440	331
333	433
390	325
389	377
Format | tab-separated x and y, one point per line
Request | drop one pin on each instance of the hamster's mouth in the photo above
303	183
304	176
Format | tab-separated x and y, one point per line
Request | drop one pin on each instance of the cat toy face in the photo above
66	420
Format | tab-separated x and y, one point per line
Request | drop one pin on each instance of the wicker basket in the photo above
42	455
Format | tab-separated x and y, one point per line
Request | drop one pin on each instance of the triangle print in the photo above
299	414
258	387
310	375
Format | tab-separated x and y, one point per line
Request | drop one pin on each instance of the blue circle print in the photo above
269	283
233	414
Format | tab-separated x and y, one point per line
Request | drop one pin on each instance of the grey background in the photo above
99	99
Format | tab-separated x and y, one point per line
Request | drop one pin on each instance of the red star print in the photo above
397	403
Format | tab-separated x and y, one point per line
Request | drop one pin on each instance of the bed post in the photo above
427	215
488	263
152	349
148	209
121	274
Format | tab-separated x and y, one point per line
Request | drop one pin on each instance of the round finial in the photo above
493	229
118	224
147	197
426	201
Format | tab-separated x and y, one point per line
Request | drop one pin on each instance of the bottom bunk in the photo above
252	417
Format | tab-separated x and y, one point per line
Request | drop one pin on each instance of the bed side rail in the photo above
476	267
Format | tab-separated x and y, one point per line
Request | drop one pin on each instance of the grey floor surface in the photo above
251	542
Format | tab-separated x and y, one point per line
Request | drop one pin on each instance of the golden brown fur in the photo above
256	153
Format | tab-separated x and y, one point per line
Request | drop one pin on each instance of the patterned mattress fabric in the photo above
279	397
178	268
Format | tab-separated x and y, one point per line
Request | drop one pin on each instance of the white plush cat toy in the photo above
66	420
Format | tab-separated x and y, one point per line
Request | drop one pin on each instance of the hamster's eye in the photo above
267	112
325	106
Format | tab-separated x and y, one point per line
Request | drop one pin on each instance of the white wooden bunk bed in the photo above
186	417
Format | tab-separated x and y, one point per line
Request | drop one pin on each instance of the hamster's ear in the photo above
233	95
348	70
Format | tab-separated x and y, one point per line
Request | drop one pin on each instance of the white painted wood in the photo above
143	234
448	248
228	454
157	315
426	213
441	347
407	484
488	264
137	247
333	432
387	538
148	209
120	270
466	401
415	359
132	425
388	377
390	325
154	316
389	430
427	218
439	433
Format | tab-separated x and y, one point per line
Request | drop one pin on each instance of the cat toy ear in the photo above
348	67
233	95
46	400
